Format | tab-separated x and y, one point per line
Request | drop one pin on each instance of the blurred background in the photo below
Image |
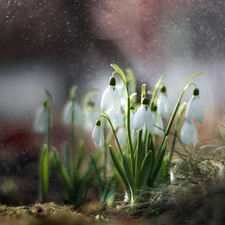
54	44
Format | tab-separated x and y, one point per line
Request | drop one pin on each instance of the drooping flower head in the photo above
143	117
97	135
195	109
164	105
40	121
111	96
188	133
72	110
43	117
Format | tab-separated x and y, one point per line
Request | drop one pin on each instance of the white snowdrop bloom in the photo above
164	105
143	117
195	108
67	113
40	120
117	119
97	135
188	133
158	124
111	97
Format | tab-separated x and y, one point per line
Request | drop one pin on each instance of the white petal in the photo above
198	109
149	121
116	100
139	118
189	114
164	106
131	119
188	133
97	135
101	141
66	113
195	134
107	98
40	120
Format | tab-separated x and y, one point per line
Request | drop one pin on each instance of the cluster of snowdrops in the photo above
134	132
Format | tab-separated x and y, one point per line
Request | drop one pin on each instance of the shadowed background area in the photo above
53	44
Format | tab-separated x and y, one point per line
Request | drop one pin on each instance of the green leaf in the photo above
120	72
145	170
129	175
66	158
80	155
63	173
139	157
131	80
119	168
44	173
159	161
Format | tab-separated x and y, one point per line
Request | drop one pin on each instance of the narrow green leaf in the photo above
159	161
145	170
62	171
129	175
139	157
119	167
80	154
97	172
44	173
119	71
66	158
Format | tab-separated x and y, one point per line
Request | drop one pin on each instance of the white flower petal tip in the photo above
188	133
164	105
143	117
97	136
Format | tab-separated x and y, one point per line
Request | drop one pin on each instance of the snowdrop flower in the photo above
116	118
40	120
67	113
188	133
164	104
157	120
111	97
195	109
97	135
143	117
